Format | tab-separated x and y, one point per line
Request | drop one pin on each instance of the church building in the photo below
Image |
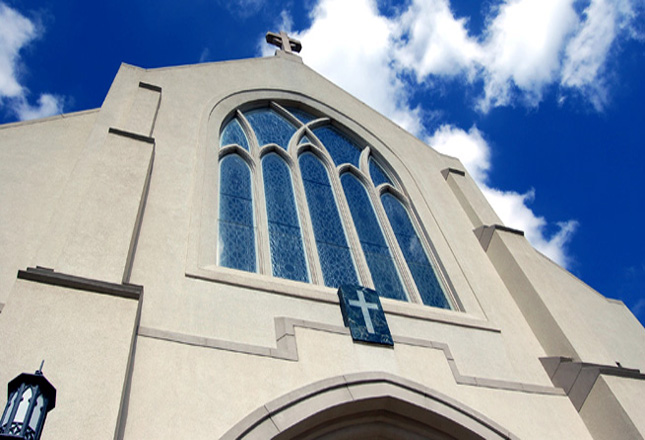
243	250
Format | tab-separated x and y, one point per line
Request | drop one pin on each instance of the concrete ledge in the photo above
128	134
287	349
152	87
48	276
485	233
445	173
577	379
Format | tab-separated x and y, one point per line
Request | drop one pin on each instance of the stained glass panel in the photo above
377	174
236	243
416	257
287	251
233	134
340	147
379	258
270	127
302	115
333	251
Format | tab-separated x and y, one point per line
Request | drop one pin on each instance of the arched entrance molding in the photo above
364	405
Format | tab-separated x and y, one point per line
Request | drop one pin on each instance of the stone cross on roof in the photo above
283	41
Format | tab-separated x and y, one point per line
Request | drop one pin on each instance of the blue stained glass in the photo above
341	149
287	251
269	127
304	140
422	272
379	258
333	252
377	174
233	134
385	277
236	244
302	115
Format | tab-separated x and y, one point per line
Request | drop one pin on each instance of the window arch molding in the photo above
202	259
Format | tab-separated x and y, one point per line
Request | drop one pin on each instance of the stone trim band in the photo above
286	349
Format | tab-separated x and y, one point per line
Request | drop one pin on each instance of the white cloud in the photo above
522	48
512	208
48	105
526	46
431	41
349	54
16	31
470	147
587	52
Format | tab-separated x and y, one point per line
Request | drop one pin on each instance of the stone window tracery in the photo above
320	204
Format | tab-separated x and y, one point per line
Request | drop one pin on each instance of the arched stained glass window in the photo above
270	127
233	134
377	253
334	253
343	237
341	149
236	240
415	256
287	252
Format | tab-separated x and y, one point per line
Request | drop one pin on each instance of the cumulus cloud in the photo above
16	32
431	41
522	49
357	53
470	147
587	52
526	46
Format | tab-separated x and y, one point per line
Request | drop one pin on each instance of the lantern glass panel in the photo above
10	405
38	409
23	406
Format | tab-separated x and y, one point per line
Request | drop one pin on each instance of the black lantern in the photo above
30	398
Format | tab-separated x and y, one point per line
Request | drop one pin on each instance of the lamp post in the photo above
30	398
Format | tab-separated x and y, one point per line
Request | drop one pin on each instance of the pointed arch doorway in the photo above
375	406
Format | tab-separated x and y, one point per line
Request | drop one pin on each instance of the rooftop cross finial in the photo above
283	41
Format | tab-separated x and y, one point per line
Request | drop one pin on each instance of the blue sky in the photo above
542	100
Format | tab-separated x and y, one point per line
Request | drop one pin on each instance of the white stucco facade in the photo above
146	337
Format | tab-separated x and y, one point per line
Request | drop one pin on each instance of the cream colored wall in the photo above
36	160
85	340
486	356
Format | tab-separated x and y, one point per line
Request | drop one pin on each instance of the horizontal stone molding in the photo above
148	86
287	349
135	136
49	276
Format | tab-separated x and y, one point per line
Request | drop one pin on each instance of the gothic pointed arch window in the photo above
304	199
